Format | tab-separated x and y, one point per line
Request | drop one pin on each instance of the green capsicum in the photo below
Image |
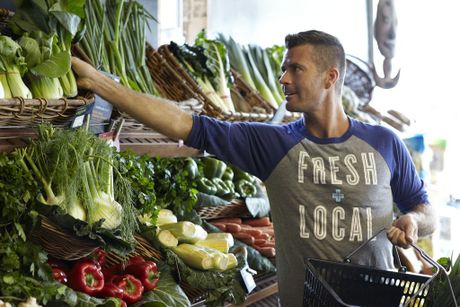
233	193
228	174
240	174
222	188
245	188
191	167
206	186
213	168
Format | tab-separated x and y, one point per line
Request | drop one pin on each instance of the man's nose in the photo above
283	79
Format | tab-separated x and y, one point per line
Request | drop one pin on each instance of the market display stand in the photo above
155	144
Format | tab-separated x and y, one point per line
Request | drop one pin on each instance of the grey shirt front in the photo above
327	196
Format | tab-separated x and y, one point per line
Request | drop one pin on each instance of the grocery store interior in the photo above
156	190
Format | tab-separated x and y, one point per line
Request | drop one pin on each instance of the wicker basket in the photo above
61	243
234	209
20	112
176	84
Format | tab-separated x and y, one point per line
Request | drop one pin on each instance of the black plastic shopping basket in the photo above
329	283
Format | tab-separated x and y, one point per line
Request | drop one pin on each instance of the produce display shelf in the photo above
14	138
154	144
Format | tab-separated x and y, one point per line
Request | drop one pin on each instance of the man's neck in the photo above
329	125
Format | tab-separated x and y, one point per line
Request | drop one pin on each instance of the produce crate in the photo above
329	283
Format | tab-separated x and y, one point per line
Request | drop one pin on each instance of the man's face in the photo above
301	82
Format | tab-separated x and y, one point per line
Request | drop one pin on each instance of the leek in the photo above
167	239
186	232
166	216
118	27
195	256
259	81
222	235
221	245
238	60
264	66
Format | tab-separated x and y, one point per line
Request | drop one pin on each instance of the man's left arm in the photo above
418	222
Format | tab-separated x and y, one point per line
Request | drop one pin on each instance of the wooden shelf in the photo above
155	144
149	143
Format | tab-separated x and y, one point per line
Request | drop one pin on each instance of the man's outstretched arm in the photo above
158	113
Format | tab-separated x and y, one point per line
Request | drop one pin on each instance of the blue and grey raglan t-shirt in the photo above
327	196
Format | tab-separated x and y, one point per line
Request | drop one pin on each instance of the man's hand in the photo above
403	231
85	73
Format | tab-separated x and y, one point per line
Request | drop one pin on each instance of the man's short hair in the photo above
328	51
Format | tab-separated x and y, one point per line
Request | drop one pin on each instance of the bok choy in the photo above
59	17
12	67
44	66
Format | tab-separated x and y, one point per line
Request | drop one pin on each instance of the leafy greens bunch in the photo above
158	183
58	18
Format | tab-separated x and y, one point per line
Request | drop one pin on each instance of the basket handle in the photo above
401	268
439	269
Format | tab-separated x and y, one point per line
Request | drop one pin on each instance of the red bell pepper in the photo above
100	256
59	275
132	287
110	290
87	277
112	270
134	260
146	272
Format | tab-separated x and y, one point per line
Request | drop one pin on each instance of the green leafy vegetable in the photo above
59	17
12	68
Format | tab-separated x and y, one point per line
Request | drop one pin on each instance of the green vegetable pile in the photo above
440	293
158	183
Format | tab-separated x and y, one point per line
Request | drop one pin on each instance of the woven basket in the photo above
20	112
234	209
178	85
60	243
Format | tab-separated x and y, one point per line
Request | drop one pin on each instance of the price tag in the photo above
80	115
247	279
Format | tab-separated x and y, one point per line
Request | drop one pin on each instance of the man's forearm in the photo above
425	217
158	113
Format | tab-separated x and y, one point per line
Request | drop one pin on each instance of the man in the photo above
331	180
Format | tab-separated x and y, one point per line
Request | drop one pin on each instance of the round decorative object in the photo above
359	78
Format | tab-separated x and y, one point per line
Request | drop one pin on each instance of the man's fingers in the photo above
397	237
410	233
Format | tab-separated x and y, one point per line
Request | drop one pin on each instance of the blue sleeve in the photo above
254	147
407	187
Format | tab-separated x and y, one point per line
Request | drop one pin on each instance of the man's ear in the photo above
332	75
